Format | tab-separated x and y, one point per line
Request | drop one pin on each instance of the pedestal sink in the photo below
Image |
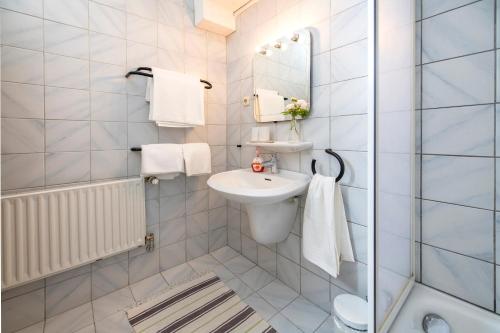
270	199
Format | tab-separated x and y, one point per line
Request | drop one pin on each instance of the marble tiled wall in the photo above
70	116
458	140
338	121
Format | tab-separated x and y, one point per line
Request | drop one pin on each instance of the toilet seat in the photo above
352	311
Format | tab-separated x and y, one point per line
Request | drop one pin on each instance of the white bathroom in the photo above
250	166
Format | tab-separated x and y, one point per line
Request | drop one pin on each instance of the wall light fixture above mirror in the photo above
281	70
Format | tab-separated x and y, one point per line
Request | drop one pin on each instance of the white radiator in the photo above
50	231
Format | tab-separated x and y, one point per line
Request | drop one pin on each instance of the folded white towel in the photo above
164	161
269	105
197	158
325	235
175	99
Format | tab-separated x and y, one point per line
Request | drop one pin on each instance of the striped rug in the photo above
204	305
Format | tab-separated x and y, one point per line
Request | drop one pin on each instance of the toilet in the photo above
350	313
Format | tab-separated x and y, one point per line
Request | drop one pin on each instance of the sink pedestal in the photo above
273	222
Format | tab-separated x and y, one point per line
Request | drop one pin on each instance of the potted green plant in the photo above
298	108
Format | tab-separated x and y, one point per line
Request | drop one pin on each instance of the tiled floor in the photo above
285	310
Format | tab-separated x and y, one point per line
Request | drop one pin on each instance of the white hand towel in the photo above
175	99
162	160
197	158
269	105
325	235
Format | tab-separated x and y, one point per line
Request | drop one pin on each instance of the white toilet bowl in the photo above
350	313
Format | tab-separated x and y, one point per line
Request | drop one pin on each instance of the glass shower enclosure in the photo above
391	164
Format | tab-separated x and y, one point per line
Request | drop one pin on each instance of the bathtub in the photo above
461	316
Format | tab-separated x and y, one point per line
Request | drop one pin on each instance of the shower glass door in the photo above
392	157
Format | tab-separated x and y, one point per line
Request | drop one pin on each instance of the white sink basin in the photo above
269	199
246	186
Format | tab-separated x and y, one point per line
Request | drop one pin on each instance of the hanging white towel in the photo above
164	161
197	157
325	235
175	99
269	105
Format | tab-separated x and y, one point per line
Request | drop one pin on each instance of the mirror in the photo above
281	70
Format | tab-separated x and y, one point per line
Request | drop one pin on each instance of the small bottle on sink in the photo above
257	162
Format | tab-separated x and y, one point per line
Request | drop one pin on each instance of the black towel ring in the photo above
337	156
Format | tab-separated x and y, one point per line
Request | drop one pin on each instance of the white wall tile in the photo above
316	289
108	135
108	49
22	171
67	167
349	97
68	294
66	40
66	72
349	133
32	7
461	180
22	100
71	104
72	12
172	255
443	226
23	311
66	135
460	131
107	20
474	24
462	276
141	30
349	62
21	30
109	107
22	135
107	78
349	26
108	164
446	81
20	65
430	7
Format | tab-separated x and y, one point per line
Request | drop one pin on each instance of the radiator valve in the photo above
149	240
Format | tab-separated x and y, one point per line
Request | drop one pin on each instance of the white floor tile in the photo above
179	274
240	287
203	264
239	265
37	328
88	329
281	324
264	309
304	314
149	287
115	323
224	254
112	303
278	294
257	278
329	326
70	321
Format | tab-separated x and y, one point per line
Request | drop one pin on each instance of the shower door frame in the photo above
372	184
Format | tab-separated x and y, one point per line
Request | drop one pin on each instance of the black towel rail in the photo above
139	70
337	156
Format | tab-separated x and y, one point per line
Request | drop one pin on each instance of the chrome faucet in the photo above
271	163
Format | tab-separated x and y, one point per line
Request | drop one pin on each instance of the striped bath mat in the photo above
203	305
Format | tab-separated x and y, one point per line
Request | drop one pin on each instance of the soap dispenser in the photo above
257	163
